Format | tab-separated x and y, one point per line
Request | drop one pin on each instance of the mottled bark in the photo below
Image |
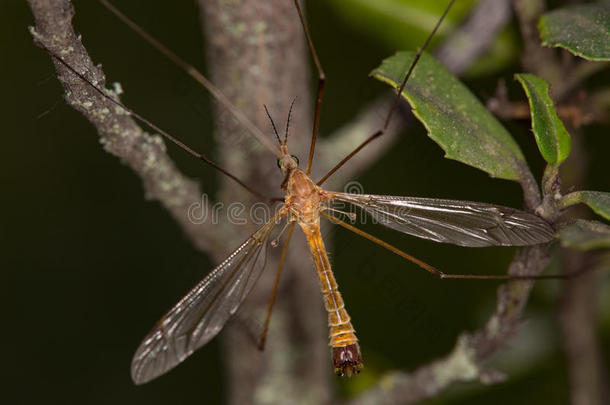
257	54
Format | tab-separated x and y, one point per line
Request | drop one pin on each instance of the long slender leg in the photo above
320	92
155	128
198	76
263	339
386	245
388	118
437	272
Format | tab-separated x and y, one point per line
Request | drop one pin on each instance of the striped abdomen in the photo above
343	341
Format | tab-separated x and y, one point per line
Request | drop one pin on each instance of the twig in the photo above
583	109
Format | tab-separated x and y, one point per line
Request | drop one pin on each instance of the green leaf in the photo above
454	117
584	30
598	201
585	235
551	136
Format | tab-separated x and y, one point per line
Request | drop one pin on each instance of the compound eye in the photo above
296	159
279	163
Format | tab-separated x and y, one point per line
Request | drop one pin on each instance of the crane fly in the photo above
202	313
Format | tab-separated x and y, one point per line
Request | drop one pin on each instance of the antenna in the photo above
273	125
288	121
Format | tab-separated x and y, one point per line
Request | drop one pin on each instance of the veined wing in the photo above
462	223
202	313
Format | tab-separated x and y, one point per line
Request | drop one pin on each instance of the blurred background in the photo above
85	258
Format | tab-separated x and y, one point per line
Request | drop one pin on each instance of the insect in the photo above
202	313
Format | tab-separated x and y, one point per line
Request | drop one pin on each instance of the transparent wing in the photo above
462	223
202	313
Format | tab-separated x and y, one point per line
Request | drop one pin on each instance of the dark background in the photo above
88	265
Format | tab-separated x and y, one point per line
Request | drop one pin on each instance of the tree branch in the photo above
256	55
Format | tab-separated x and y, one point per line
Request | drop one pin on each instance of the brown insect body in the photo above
304	201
